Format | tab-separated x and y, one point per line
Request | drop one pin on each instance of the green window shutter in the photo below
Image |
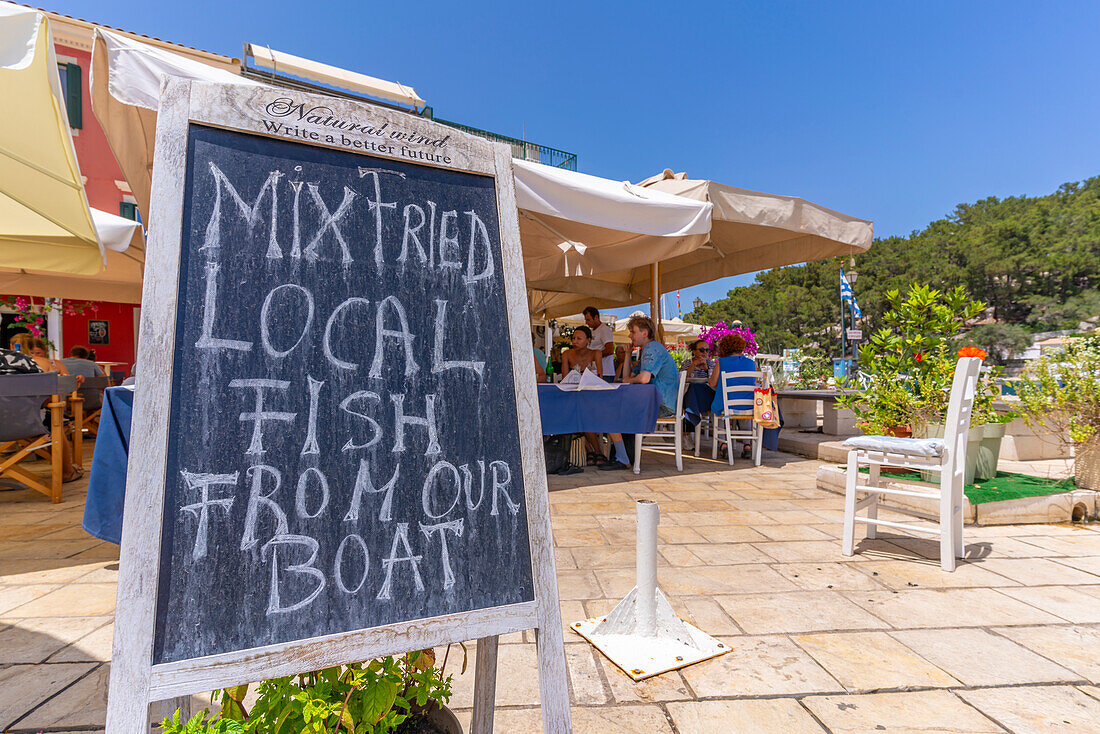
72	95
128	210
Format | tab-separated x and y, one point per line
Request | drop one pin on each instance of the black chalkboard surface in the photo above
343	446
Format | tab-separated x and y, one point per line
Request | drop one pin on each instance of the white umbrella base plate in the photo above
642	658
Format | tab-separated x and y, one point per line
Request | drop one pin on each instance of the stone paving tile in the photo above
596	720
1082	543
729	533
744	717
34	640
724	554
908	574
948	608
586	684
759	666
871	661
44	549
84	704
1089	564
826	575
95	646
980	658
22	687
578	585
793	532
665	687
1037	571
706	614
803	611
1066	602
1074	647
74	600
924	712
43	571
1039	709
13	597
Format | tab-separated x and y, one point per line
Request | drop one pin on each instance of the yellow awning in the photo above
45	223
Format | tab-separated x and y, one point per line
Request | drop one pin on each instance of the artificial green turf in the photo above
1004	486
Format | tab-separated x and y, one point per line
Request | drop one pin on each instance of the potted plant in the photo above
906	374
403	694
1063	391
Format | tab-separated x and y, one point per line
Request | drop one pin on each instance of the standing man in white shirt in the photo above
602	342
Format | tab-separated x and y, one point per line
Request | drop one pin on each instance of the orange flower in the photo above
972	352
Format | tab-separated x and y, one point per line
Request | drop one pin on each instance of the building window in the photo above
70	87
129	210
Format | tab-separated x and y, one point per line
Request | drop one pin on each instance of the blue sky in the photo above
888	111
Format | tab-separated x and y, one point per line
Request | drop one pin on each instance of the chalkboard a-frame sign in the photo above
336	448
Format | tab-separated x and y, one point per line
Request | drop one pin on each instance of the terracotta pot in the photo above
905	431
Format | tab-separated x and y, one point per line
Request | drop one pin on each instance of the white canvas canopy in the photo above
753	231
572	225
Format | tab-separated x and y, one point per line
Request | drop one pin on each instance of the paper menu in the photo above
588	380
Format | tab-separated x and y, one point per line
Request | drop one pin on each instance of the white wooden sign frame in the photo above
136	684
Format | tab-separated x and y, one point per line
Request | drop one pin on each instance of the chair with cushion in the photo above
23	436
737	397
946	455
666	428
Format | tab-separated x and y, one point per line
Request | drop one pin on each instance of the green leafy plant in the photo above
909	364
1061	392
372	698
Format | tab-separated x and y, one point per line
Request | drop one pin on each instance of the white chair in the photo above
661	431
737	403
947	455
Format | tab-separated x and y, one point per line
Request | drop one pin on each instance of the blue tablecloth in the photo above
107	482
627	409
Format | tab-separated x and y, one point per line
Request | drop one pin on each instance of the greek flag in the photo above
847	296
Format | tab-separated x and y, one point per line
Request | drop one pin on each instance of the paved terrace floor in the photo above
883	641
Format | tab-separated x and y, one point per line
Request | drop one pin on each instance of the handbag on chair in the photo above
764	410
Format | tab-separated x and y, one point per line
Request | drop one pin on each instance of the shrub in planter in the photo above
1063	391
403	695
906	365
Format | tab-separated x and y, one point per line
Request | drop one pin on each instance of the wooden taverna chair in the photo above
946	455
23	436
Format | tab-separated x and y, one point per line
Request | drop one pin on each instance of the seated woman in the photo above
731	358
34	350
38	350
580	357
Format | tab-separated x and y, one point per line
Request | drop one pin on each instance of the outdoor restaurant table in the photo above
837	421
107	482
626	409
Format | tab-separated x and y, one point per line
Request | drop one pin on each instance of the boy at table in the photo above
656	366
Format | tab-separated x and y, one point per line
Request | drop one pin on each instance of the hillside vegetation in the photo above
1034	260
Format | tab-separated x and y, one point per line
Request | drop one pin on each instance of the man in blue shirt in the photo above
655	365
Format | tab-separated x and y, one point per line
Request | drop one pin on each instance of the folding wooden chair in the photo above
86	404
24	436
